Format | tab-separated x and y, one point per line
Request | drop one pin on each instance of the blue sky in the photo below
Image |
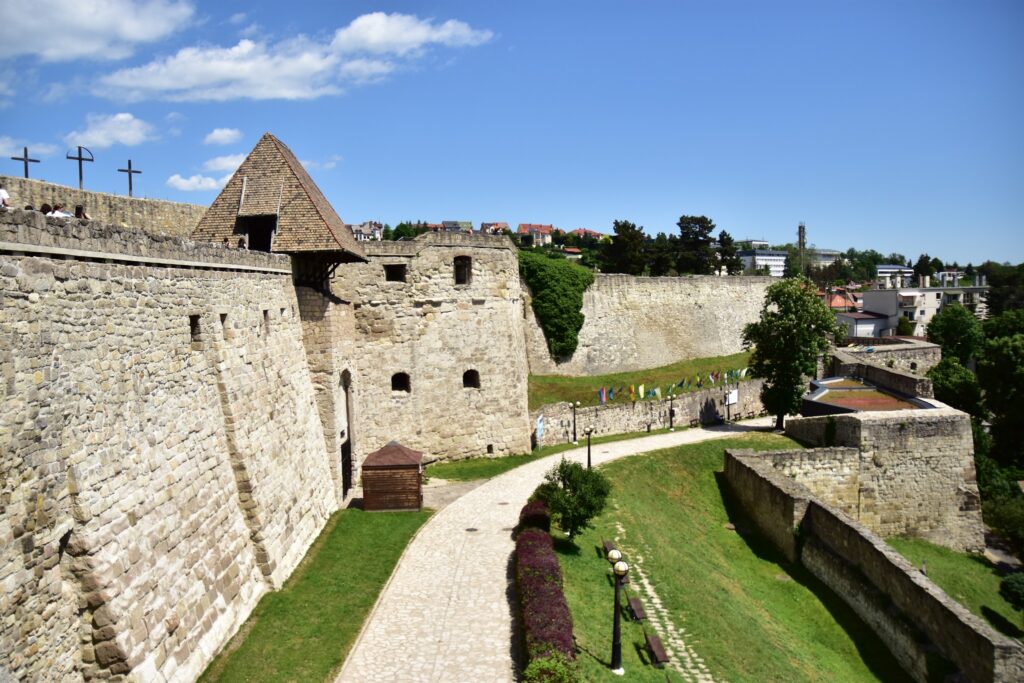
890	125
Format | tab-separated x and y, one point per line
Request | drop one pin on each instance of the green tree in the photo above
923	267
728	255
957	386
904	328
574	494
1012	590
1004	325
794	329
625	252
556	285
1006	286
1001	374
661	254
957	331
695	253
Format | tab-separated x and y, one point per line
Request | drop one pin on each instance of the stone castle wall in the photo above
635	323
162	459
924	628
697	407
151	215
912	356
435	331
860	365
913	473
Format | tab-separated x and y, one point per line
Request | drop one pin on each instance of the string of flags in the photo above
643	392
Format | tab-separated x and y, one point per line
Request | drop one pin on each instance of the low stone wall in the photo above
913	474
151	215
871	369
644	416
925	629
913	356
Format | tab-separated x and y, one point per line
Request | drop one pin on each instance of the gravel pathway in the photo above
446	612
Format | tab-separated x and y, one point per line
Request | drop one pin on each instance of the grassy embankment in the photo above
304	631
545	389
971	580
742	609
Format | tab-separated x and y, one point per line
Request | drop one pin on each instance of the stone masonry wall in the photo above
634	323
866	367
151	215
912	356
434	330
916	619
626	417
158	472
916	472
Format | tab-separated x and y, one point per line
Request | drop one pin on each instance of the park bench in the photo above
694	422
637	609
658	655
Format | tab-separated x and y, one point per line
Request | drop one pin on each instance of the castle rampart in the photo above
151	215
163	462
634	323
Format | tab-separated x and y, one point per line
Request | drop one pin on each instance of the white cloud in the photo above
400	34
65	30
222	136
296	69
237	17
116	129
312	165
197	183
228	163
13	147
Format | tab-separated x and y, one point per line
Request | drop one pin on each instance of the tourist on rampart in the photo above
81	214
59	212
46	209
5	199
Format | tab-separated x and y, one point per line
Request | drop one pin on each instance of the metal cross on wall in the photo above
80	159
26	160
130	171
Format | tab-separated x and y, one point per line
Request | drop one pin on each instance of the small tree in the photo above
957	386
957	331
794	329
624	253
574	494
904	327
1012	590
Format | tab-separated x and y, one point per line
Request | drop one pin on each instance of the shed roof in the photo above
272	181
393	455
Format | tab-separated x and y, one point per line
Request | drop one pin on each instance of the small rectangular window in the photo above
266	321
463	270
394	272
223	322
193	327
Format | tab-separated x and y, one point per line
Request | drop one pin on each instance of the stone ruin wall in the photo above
697	407
918	622
152	487
435	330
150	215
635	323
914	472
911	356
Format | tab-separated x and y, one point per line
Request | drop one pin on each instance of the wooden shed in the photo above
393	479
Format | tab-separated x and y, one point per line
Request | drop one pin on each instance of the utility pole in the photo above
801	241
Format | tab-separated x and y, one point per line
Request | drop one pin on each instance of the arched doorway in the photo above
346	436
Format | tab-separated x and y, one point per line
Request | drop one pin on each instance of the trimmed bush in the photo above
546	620
1012	590
551	669
535	515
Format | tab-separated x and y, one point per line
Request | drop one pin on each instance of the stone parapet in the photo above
151	215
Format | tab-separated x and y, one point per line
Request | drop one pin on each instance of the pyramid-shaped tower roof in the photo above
272	182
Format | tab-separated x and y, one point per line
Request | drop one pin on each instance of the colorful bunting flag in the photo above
603	395
641	392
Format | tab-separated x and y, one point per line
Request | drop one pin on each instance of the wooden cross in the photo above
80	159
26	160
130	171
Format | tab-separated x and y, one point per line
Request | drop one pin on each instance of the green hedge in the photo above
557	285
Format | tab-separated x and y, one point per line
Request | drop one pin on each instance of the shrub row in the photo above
535	515
547	623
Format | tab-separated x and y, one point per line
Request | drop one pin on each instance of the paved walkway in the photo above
446	612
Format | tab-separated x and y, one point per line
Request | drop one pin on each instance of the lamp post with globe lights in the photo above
588	431
575	405
619	571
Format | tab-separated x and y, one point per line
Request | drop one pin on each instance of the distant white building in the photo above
862	324
822	258
920	304
891	271
368	231
757	259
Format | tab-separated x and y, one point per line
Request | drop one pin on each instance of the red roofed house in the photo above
583	232
541	233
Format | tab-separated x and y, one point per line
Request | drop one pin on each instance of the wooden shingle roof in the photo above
272	181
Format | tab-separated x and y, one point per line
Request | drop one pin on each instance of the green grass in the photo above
750	616
969	579
304	631
545	389
486	467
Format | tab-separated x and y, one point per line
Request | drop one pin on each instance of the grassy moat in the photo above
745	612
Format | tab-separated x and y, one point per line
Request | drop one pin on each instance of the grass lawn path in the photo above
446	612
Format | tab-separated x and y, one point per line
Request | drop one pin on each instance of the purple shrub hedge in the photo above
545	614
535	514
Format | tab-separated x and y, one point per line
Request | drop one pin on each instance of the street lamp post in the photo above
671	412
575	405
588	431
619	571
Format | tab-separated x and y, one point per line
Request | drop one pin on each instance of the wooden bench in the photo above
694	422
658	655
636	608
